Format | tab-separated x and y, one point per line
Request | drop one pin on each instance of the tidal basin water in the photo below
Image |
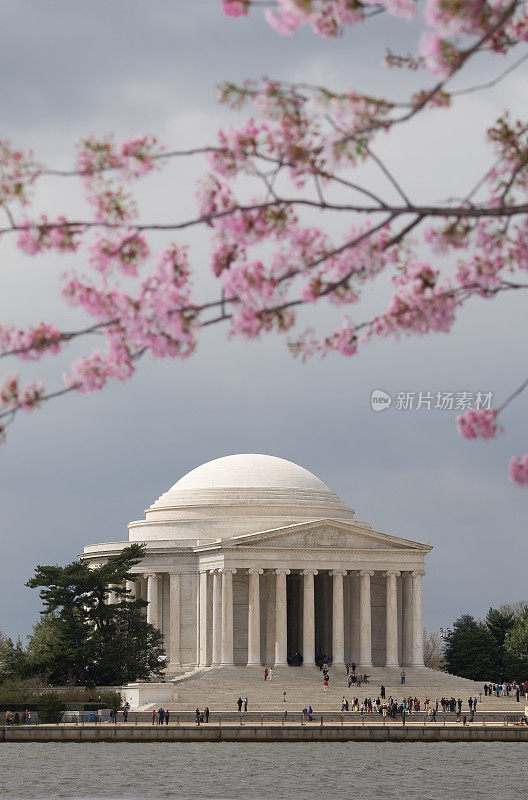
226	771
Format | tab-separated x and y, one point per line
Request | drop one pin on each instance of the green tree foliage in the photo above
3	645
13	661
82	639
50	708
516	648
499	621
470	649
490	649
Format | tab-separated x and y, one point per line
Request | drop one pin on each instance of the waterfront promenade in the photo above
331	731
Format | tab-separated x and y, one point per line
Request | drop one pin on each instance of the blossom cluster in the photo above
480	423
422	303
158	318
449	25
18	171
30	343
518	471
43	234
14	396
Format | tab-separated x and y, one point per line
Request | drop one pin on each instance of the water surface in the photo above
261	771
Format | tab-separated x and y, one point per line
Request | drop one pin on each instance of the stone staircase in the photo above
291	688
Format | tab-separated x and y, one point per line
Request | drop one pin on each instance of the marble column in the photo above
365	619
111	596
407	631
205	619
308	618
281	617
217	617
174	620
152	599
391	620
133	588
417	619
338	621
254	616
227	616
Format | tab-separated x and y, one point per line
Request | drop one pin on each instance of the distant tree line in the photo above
492	649
81	639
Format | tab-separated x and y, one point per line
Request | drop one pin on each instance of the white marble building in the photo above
251	559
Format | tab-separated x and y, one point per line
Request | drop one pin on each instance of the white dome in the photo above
238	494
250	471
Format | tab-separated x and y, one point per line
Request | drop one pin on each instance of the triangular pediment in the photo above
324	534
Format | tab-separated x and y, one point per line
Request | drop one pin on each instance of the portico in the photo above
254	561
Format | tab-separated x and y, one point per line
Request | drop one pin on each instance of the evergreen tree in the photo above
13	662
470	649
499	621
84	639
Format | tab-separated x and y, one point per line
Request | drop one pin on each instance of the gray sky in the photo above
79	470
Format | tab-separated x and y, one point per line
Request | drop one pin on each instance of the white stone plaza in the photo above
252	560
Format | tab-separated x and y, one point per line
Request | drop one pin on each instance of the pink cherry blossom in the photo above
235	8
18	171
125	252
32	343
44	234
518	472
422	303
137	155
480	423
15	396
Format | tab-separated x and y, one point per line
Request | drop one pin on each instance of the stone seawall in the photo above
290	732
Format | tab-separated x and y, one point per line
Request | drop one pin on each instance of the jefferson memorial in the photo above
252	560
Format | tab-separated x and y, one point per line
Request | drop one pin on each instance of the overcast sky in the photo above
79	470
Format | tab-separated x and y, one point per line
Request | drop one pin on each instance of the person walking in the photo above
161	716
206	714
239	704
153	717
402	676
270	673
325	685
245	703
265	673
197	716
382	692
167	715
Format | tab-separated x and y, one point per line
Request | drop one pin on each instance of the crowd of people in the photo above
407	705
160	716
506	690
17	719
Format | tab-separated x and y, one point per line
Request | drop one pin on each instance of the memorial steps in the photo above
219	688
